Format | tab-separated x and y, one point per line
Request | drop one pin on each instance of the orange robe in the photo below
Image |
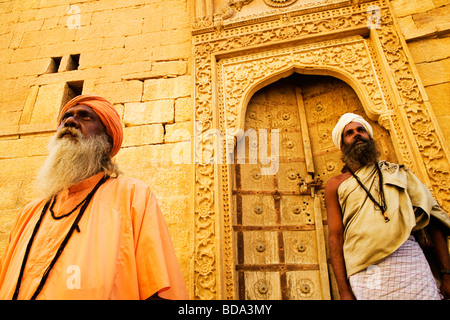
123	249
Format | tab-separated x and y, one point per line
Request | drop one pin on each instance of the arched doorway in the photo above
279	219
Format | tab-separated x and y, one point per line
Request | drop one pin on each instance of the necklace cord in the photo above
382	205
61	247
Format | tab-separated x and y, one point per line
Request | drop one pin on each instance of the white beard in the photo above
72	159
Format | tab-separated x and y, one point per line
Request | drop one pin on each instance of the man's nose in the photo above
71	122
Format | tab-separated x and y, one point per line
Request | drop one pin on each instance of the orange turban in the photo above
107	114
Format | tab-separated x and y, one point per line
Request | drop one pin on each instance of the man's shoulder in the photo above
391	166
334	182
128	182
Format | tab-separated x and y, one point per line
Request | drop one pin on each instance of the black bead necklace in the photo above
67	214
382	204
61	247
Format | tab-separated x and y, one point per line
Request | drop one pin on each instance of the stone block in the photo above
24	68
112	43
152	24
25	54
38	38
119	92
172	88
140	113
183	109
144	158
148	69
404	8
439	96
172	52
432	18
48	103
143	135
145	40
123	29
27	26
428	50
436	72
178	132
24	147
10	118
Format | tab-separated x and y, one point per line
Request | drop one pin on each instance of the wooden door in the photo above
280	219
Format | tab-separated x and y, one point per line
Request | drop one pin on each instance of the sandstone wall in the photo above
426	27
136	53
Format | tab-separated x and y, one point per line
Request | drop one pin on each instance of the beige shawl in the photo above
367	237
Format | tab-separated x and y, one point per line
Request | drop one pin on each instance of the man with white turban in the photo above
373	208
93	234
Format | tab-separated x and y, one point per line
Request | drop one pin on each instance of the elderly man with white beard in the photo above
93	234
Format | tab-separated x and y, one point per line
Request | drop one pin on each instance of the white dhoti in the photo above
403	275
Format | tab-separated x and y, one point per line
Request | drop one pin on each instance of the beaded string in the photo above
382	205
67	214
61	247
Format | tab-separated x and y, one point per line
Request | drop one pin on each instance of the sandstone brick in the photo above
144	158
9	191
412	32
183	109
131	27
101	17
434	72
25	54
128	71
141	40
5	39
177	132
113	42
148	112
148	69
10	118
37	38
50	12
152	24
407	7
143	135
440	3
116	57
439	95
27	26
172	52
428	50
178	87
24	147
432	18
122	91
48	103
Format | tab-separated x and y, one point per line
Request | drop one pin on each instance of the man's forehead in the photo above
352	125
81	107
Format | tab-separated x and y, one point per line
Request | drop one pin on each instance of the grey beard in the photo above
359	155
72	160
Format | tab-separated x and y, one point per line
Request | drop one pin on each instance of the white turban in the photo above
345	120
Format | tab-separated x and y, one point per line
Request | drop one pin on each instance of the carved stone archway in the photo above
233	62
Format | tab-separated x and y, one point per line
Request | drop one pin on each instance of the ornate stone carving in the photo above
279	3
231	6
349	56
378	68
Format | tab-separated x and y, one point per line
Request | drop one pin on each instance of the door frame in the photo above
232	63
